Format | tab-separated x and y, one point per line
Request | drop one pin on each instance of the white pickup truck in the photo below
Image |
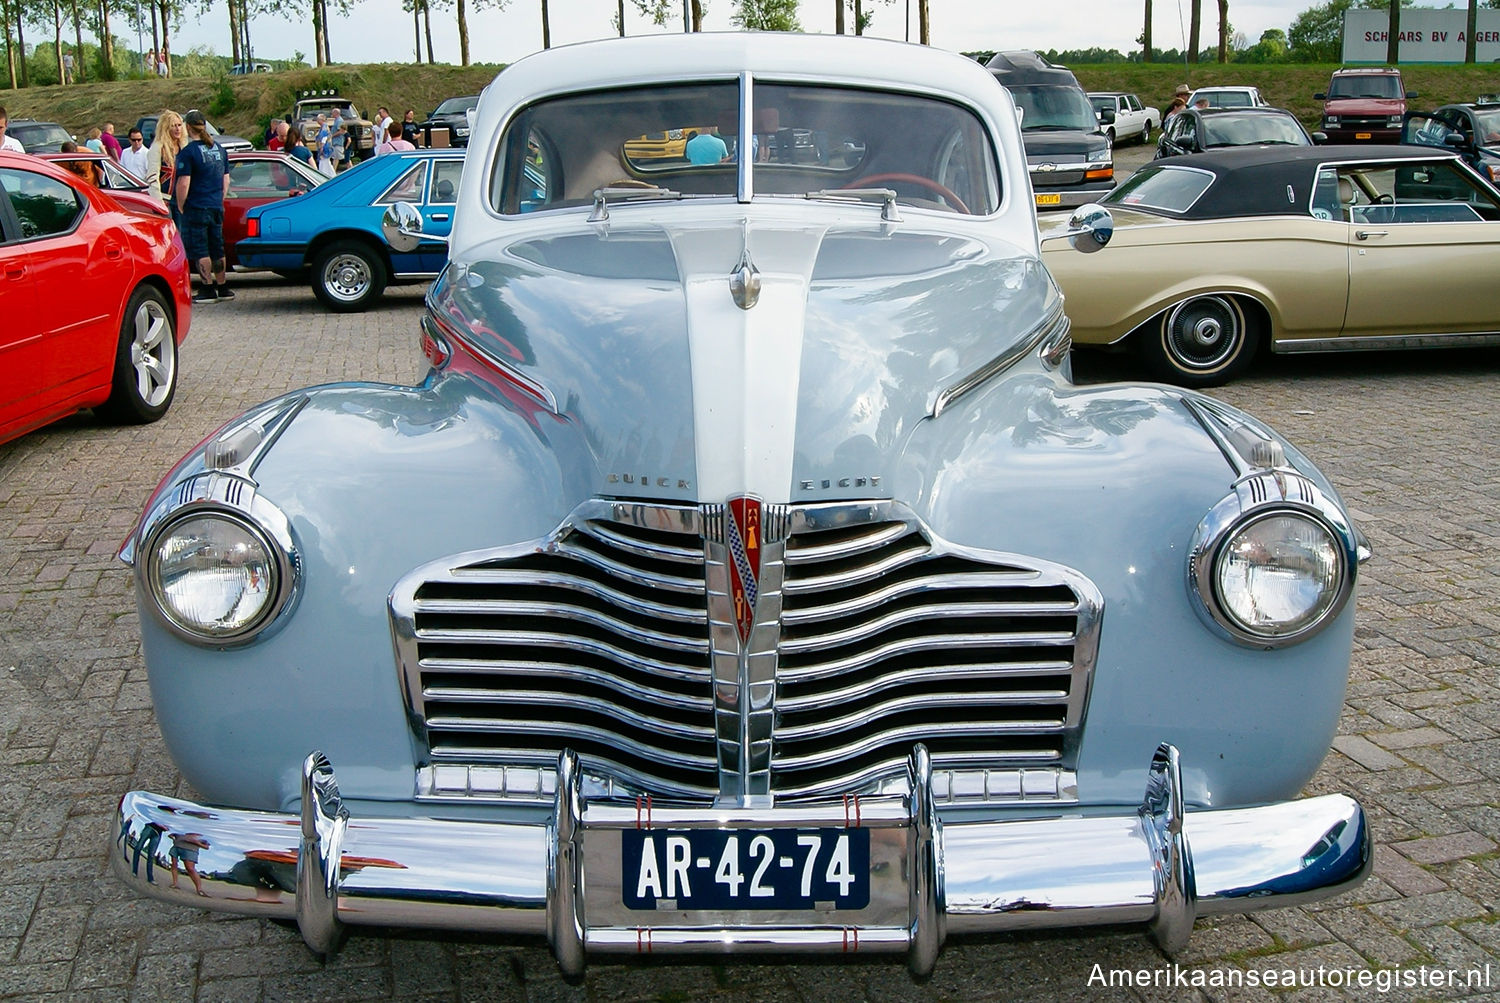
1122	116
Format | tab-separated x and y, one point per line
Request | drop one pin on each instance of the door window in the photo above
412	187
445	175
44	206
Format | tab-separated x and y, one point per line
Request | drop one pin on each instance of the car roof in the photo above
1349	70
1257	110
1224	87
1252	180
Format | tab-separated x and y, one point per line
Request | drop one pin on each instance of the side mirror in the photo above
1319	138
1412	94
1456	140
402	227
1107	115
1089	228
1320	96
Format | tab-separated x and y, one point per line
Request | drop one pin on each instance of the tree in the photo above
1195	30
1469	34
1145	38
1393	35
546	27
766	15
1316	35
1224	31
924	23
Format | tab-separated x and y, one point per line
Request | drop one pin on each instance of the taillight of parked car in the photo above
252	226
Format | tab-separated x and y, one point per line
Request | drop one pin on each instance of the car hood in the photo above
1365	106
631	335
1062	142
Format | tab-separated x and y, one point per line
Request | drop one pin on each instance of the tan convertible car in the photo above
1301	249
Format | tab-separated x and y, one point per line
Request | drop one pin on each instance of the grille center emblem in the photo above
745	538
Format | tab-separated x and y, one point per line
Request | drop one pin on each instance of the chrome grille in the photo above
594	640
889	639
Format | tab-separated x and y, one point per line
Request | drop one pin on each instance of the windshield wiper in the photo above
603	195
885	195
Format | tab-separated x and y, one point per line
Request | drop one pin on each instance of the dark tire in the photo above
348	276
1146	135
145	376
1204	341
1109	134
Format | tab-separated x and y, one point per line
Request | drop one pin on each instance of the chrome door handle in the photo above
1367	234
439	216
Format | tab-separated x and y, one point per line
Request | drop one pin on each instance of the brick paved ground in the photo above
1410	439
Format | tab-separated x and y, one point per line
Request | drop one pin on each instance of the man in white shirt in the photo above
10	144
135	157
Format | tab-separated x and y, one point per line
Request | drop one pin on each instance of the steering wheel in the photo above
941	190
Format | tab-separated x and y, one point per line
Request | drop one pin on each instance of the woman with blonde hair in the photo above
161	163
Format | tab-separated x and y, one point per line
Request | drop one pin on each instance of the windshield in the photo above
1223	99
1102	104
1375	85
1044	107
40	138
1168	189
455	106
683	141
1252	130
1488	120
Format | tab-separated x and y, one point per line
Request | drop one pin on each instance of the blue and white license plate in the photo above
721	869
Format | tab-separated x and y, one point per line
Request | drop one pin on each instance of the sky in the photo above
378	31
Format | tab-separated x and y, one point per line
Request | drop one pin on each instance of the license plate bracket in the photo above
801	869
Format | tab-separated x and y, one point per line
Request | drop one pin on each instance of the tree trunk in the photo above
546	27
697	15
620	13
1195	30
416	28
317	27
234	34
1146	36
859	17
1223	31
1468	35
10	52
245	30
838	17
106	37
155	39
463	35
924	22
427	26
21	44
1393	35
79	75
164	54
57	22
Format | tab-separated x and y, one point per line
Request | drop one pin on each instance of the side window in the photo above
445	175
44	206
1132	102
412	187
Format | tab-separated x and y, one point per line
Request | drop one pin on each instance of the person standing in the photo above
296	147
67	67
382	123
202	182
161	167
324	146
136	158
409	127
94	142
338	136
111	142
393	142
9	144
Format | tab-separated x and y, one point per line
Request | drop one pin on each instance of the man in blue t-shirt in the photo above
705	148
202	183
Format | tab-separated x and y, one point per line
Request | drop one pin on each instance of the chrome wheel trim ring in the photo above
1203	334
347	277
152	353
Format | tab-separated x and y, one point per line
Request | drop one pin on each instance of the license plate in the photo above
1049	200
722	869
1361	135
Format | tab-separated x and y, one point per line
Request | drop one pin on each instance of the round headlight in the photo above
214	576
1279	574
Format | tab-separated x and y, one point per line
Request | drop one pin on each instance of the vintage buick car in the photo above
1303	249
747	574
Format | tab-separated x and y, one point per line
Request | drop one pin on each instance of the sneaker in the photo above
205	294
224	292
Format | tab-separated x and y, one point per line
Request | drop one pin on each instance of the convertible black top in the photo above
1254	180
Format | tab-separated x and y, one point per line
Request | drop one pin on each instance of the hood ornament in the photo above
744	281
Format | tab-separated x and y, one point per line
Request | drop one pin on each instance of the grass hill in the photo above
243	105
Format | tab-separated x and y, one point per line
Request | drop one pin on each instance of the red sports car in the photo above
94	299
255	178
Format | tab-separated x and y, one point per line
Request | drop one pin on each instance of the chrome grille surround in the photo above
841	674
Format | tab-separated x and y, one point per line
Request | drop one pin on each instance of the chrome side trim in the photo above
1024	346
1385	342
745	140
558	874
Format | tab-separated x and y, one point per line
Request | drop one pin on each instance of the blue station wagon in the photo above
333	232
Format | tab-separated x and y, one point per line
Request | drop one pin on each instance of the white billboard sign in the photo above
1427	36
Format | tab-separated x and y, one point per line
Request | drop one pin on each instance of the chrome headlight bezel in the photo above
1256	497
232	499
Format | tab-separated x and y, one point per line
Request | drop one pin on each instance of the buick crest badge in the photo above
745	538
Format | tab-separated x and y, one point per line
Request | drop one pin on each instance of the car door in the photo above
437	214
58	341
1424	238
255	181
410	186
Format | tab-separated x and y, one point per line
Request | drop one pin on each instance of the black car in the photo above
453	115
1194	130
1471	130
1069	159
38	137
232	144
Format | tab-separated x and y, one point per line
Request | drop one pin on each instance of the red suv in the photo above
1364	105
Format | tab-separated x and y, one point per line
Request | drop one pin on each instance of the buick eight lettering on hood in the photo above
747	573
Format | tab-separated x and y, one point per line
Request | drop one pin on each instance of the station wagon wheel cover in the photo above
152	353
347	276
1203	334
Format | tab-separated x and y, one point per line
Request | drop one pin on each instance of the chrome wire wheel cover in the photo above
347	276
152	353
1204	334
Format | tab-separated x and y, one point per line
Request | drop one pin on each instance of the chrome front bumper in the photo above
1159	865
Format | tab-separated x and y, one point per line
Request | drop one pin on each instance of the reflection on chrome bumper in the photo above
1160	865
